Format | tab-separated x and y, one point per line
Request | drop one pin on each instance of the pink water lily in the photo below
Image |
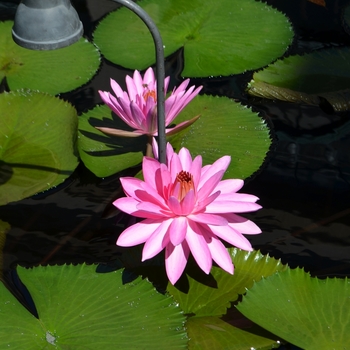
187	208
138	106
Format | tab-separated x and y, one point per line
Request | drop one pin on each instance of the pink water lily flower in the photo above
138	106
187	208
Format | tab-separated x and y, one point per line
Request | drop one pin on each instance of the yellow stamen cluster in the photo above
185	179
150	93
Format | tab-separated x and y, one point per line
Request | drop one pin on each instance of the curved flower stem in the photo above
160	72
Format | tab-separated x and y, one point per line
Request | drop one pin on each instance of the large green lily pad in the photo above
81	309
207	333
208	297
323	74
52	71
211	295
37	143
311	313
218	37
224	128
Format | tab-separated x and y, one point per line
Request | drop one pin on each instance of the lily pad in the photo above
37	143
52	71
224	128
207	333
211	295
81	309
308	312
304	79
218	37
102	154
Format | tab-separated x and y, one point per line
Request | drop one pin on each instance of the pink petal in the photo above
138	233
196	169
169	153
178	230
130	185
229	207
212	219
153	210
119	132
220	165
155	148
181	101
201	205
175	166
157	241
185	159
130	206
198	246
149	169
181	87
238	197
149	76
242	224
220	255
176	260
138	116
166	84
118	91
188	203
231	236
181	126
210	185
126	204
174	205
229	185
131	86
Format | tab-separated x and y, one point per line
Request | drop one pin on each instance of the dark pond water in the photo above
304	186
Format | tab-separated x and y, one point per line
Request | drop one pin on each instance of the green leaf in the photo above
51	71
208	333
304	79
311	313
218	37
37	143
225	127
211	295
81	309
106	155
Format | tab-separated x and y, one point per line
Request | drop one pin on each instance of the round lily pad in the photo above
323	74
218	37
308	312
81	309
52	71
37	143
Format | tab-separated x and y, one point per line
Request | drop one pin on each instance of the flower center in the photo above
150	93
185	179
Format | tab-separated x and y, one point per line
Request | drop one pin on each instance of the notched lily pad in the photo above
53	71
218	37
37	143
211	295
81	309
211	332
310	79
308	312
